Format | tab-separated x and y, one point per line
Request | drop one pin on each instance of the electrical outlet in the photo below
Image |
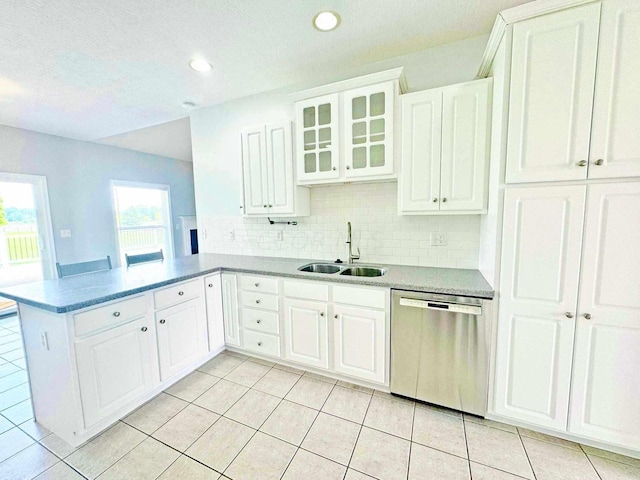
65	233
279	235
204	233
231	235
438	239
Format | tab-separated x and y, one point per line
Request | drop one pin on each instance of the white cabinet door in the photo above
230	309
552	79
114	369
615	143
305	331
254	170
317	138
182	336
368	130
465	145
419	183
215	315
359	336
542	235
606	384
279	168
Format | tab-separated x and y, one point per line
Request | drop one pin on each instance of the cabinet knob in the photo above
264	206
270	206
568	314
435	200
116	314
259	344
587	316
180	293
257	301
144	329
582	163
211	285
241	206
322	314
444	199
258	321
256	284
335	316
348	167
599	162
163	321
333	168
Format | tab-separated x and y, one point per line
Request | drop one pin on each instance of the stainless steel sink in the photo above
320	268
364	271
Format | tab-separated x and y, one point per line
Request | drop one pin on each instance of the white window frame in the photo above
155	186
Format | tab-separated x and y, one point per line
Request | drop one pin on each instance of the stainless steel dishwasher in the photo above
440	349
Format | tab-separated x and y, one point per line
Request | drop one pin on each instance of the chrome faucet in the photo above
350	254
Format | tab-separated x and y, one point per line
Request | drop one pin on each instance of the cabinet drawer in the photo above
259	320
178	293
259	284
259	300
109	315
308	291
364	297
261	343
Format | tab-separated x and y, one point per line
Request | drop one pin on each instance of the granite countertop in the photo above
73	293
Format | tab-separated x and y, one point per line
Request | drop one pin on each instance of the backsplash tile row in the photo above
381	234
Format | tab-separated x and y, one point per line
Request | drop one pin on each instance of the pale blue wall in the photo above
78	179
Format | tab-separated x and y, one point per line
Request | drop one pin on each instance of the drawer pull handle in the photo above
163	321
144	329
258	321
116	314
257	284
180	293
211	285
259	344
257	301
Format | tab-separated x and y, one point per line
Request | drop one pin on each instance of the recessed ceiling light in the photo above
188	105
200	65
326	21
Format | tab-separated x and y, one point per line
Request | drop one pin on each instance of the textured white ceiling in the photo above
95	69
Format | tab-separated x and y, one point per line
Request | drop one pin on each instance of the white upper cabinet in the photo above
552	81
267	171
606	386
368	130
615	143
317	138
419	184
466	130
539	284
445	149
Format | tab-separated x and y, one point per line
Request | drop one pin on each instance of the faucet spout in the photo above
350	253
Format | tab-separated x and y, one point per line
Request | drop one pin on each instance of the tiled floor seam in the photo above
413	422
591	463
466	446
526	454
355	445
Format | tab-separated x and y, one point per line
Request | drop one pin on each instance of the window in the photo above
143	218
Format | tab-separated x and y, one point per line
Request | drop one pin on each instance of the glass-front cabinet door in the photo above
368	130
317	135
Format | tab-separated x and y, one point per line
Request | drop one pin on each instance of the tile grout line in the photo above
466	445
359	432
413	422
527	454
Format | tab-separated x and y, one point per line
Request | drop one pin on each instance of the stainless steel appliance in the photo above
440	349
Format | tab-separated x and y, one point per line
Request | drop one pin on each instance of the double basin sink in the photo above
347	270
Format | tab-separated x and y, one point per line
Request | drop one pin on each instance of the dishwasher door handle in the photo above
441	306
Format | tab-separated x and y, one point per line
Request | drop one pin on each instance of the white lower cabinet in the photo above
359	341
182	336
230	309
215	314
114	368
305	330
568	340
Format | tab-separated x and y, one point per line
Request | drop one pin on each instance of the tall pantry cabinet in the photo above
568	328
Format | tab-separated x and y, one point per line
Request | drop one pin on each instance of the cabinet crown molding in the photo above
518	14
357	82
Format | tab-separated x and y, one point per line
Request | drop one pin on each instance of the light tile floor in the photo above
243	418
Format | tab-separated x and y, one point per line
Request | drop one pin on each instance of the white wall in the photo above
383	235
78	180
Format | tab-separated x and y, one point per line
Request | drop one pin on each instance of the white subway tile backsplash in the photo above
382	235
